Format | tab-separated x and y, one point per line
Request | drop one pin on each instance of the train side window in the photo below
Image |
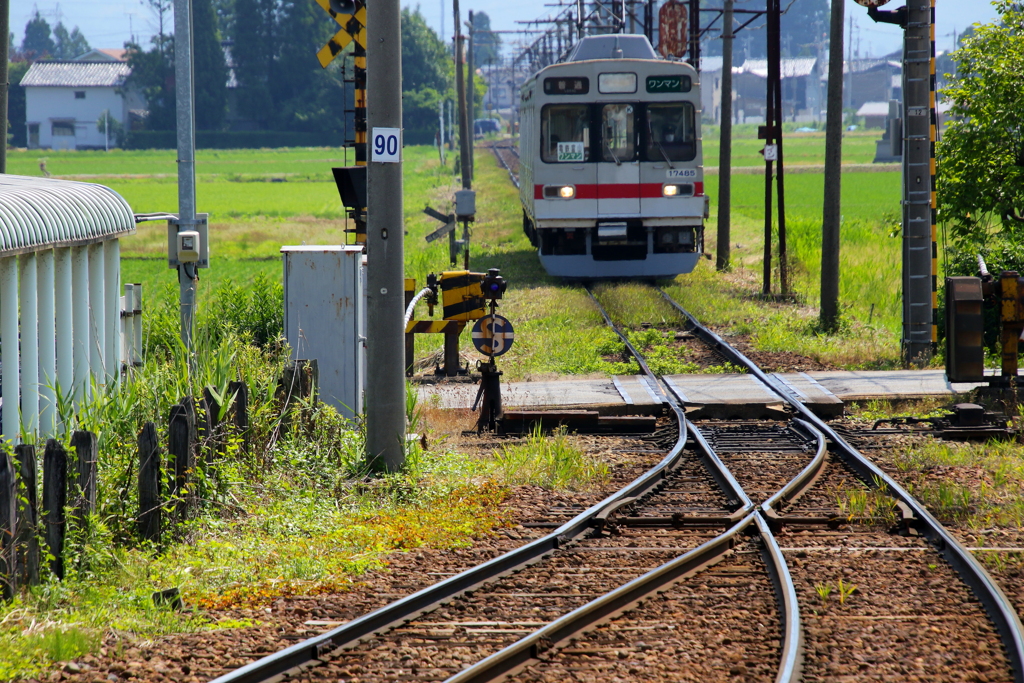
618	132
565	133
671	131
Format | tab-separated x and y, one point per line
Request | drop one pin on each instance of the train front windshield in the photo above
671	131
660	131
617	132
565	133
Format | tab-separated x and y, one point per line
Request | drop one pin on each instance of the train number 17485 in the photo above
681	173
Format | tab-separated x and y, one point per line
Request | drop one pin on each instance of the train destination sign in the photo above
679	83
576	85
569	151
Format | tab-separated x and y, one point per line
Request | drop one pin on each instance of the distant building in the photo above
871	80
64	100
802	90
875	114
105	54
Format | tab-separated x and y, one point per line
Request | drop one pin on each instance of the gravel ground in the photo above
909	618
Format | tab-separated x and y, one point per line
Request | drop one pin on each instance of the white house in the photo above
65	99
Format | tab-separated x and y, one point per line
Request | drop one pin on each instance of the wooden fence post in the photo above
55	498
209	423
8	527
86	456
299	380
240	411
149	484
28	514
181	447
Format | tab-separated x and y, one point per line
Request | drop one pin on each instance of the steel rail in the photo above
310	652
512	176
508	661
998	606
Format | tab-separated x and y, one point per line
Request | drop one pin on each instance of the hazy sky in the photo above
109	23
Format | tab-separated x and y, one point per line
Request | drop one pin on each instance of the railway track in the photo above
683	575
508	157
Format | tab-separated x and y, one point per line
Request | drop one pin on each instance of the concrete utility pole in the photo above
831	217
385	296
185	120
5	30
725	149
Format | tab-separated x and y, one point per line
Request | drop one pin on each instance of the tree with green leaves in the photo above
253	51
68	44
37	43
152	74
210	68
427	75
18	135
980	181
486	45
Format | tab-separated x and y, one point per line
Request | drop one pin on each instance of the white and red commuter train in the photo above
610	165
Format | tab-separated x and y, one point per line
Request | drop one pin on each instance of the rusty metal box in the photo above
965	346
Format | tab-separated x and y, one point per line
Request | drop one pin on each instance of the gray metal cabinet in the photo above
325	318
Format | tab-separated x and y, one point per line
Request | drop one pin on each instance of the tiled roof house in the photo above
64	100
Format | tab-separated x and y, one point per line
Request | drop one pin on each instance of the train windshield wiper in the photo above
650	131
665	154
609	148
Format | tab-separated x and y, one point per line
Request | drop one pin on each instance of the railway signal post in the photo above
920	249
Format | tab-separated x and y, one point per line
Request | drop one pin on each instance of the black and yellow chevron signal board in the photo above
351	16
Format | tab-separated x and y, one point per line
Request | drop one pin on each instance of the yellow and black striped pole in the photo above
919	243
934	136
353	30
359	74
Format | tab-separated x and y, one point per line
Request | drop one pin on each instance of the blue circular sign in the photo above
493	335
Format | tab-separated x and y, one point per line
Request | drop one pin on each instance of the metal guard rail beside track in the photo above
998	606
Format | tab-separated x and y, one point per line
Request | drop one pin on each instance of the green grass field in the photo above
259	200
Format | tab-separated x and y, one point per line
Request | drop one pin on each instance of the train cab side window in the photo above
671	131
565	133
618	133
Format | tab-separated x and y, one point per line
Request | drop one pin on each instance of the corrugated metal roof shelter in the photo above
41	213
76	74
60	296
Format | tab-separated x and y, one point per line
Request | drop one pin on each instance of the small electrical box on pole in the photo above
186	220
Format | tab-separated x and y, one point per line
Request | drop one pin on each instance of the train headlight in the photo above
559	191
681	190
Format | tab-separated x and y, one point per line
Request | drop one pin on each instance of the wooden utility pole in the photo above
830	217
470	105
460	87
775	21
725	148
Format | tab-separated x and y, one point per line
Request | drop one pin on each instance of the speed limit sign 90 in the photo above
387	145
